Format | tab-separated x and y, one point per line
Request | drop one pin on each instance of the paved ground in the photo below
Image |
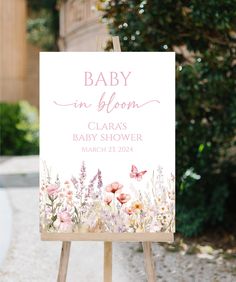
28	259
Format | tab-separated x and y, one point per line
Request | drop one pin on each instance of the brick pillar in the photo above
12	49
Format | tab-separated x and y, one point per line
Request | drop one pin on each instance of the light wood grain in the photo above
118	237
107	262
64	260
149	262
116	44
13	50
99	44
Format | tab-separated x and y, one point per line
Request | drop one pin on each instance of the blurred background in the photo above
203	35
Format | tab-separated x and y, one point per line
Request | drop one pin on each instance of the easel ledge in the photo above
109	237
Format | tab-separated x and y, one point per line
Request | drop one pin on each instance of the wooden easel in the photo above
147	246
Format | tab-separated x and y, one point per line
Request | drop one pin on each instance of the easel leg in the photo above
107	262
149	262
65	252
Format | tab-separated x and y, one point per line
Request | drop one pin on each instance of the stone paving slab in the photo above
19	180
5	224
19	164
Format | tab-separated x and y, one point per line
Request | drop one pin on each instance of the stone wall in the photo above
80	25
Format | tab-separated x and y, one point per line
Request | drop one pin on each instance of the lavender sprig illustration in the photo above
99	184
82	179
91	185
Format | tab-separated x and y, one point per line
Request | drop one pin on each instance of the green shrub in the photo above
203	34
43	23
19	129
39	31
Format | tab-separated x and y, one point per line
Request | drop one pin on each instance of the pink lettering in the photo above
112	104
76	104
88	78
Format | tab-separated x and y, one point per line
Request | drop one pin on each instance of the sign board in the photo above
107	145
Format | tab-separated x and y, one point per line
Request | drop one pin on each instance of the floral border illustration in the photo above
81	204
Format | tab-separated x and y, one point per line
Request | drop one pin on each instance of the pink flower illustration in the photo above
108	199
114	187
123	198
129	210
52	190
65	222
69	195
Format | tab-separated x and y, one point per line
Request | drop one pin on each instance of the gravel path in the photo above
29	259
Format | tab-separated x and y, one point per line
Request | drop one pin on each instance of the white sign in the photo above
107	142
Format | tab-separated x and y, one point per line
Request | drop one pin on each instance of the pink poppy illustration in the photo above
52	190
108	199
123	198
114	187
